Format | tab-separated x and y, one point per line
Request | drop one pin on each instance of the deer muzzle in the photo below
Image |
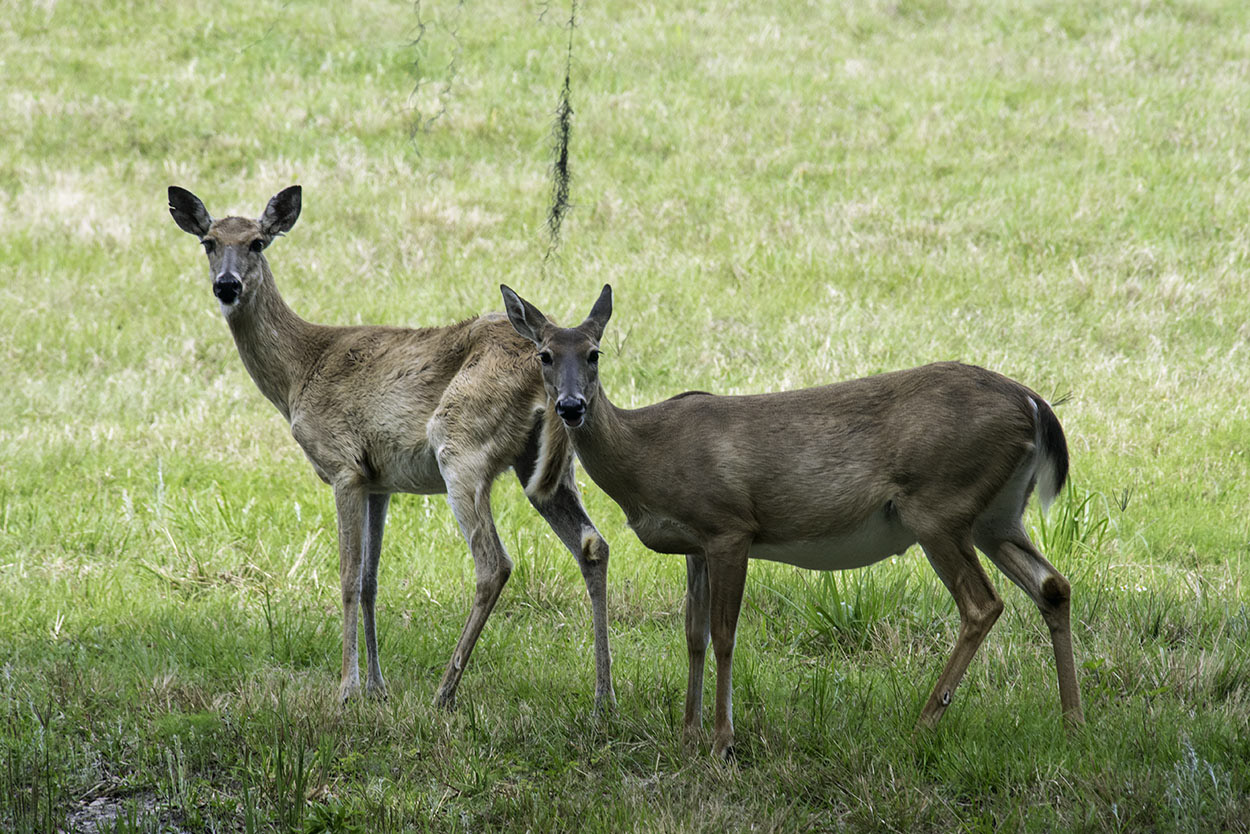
227	288
572	410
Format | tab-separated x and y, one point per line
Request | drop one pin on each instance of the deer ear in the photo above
600	313
525	317
282	212
188	212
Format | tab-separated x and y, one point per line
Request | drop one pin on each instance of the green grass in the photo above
782	195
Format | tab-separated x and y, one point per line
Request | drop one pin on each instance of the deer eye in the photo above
257	245
593	357
544	357
209	245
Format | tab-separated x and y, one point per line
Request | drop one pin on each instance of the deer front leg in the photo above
349	504
491	567
698	630
375	524
593	561
727	574
563	510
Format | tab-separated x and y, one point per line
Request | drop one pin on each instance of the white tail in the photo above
826	478
380	410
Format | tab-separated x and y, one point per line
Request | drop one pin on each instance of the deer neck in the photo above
609	447
276	345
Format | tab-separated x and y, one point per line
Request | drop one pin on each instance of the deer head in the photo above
235	246
570	357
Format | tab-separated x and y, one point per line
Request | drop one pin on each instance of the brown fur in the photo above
833	477
380	410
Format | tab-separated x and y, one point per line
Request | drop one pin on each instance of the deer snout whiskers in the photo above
572	410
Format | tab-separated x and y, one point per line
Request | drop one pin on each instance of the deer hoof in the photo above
605	706
445	700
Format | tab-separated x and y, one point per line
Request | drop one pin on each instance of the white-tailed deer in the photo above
380	410
827	478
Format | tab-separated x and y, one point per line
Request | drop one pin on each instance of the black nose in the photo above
227	289
571	410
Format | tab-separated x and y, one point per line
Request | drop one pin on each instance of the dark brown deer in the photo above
825	478
380	410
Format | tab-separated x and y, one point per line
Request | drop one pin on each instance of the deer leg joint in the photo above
594	548
1056	590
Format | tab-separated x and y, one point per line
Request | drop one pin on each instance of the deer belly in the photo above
878	537
663	534
417	472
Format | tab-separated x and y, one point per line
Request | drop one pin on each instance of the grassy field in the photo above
782	195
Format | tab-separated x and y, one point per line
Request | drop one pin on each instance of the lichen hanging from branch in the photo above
562	132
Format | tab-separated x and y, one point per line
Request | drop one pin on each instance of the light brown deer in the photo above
380	410
825	478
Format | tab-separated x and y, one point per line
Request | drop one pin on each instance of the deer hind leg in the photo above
470	501
349	503
1015	555
698	632
374	525
956	565
563	510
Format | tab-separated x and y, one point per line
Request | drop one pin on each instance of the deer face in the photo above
570	363
235	245
235	248
569	355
